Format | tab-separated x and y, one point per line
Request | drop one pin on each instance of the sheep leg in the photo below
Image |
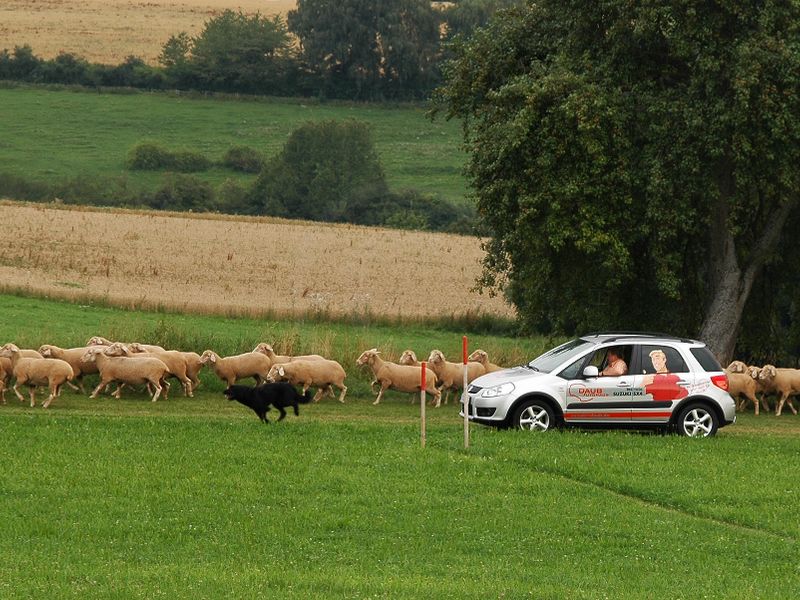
158	389
72	386
764	403
101	386
437	397
318	395
343	394
195	383
372	385
187	387
754	400
384	385
16	391
54	391
791	404
779	406
33	395
80	385
118	392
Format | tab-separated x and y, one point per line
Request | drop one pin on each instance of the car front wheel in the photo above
697	420
534	415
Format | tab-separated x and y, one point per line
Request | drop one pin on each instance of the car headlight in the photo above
498	390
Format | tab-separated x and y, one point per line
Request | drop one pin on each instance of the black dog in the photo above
259	398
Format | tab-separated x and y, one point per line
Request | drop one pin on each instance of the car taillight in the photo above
721	381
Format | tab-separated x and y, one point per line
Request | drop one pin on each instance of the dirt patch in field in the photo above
106	31
246	266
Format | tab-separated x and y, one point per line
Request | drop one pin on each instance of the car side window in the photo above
662	359
574	370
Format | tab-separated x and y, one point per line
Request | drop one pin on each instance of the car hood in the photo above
506	375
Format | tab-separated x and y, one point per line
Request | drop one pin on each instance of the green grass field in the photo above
196	498
56	135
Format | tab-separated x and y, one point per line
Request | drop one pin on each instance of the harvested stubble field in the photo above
218	264
106	31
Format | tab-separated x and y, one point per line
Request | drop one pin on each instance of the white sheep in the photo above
321	374
277	359
741	384
408	357
127	370
35	372
450	374
232	368
784	382
403	378
480	356
101	341
176	362
73	356
5	375
193	368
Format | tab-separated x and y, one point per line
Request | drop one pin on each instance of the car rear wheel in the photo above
534	415
697	420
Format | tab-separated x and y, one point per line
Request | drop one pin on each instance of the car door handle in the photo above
623	383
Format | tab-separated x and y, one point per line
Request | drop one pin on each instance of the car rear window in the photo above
706	359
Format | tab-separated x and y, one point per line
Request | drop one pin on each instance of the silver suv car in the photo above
665	382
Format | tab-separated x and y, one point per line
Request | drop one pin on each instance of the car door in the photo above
602	399
665	380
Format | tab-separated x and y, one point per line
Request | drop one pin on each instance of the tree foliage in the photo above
634	161
366	50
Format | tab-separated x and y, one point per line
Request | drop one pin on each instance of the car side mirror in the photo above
590	372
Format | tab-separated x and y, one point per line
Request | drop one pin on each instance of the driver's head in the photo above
613	354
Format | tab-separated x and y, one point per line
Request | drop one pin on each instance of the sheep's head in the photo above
8	350
768	372
208	357
98	341
46	350
91	354
737	366
367	357
479	356
436	357
117	349
276	373
408	358
264	349
754	372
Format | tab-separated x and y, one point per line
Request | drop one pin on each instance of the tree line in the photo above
349	49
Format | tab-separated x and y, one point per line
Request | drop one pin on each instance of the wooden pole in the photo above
465	396
423	384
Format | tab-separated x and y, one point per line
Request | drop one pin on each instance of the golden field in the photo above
237	265
106	31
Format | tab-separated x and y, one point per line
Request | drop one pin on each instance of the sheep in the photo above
761	388
101	341
451	375
36	372
480	356
784	382
408	357
193	368
232	368
741	384
319	373
175	361
736	366
73	357
403	378
267	350
126	370
5	375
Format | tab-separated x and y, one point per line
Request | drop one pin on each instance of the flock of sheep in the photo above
748	382
127	364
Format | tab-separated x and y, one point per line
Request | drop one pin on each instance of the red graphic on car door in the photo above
663	385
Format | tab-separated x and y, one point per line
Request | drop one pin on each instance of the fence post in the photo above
465	396
423	378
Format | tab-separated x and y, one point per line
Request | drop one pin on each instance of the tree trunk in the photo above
730	285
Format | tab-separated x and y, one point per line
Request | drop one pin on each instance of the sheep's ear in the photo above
281	371
212	357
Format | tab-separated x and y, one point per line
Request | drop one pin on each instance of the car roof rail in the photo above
616	335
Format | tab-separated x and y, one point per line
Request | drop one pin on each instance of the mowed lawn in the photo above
53	135
196	498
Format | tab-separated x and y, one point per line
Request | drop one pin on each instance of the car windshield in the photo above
548	361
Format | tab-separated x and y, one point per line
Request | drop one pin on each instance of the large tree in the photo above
366	49
635	161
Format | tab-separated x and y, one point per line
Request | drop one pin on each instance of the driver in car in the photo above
615	366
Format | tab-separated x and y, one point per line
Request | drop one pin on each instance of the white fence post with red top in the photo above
423	381
465	396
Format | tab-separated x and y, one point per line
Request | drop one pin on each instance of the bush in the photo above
149	156
14	186
243	159
323	168
183	192
232	198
